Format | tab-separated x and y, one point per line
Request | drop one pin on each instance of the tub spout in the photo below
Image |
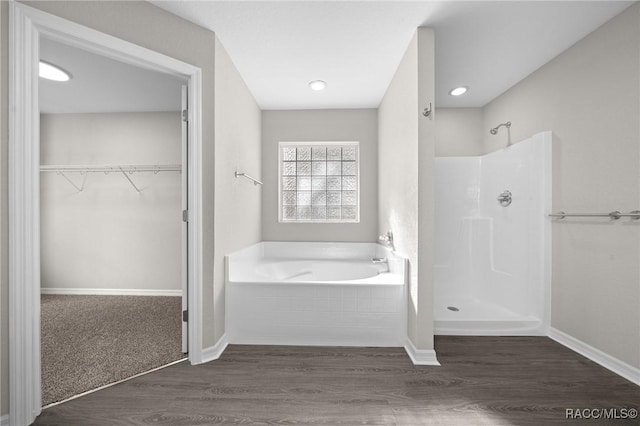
381	263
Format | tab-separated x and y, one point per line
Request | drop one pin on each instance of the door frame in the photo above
26	24
184	205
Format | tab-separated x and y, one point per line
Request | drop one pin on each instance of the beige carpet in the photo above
91	341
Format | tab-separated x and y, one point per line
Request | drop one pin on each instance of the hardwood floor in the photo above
482	381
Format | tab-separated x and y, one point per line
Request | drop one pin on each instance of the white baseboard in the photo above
110	292
214	352
420	356
621	368
4	420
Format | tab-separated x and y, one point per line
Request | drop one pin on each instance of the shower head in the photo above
494	131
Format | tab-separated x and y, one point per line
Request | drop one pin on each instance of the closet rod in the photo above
113	168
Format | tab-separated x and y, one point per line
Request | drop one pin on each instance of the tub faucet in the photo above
379	260
387	239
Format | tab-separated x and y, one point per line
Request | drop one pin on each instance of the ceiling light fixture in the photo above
458	91
52	72
317	85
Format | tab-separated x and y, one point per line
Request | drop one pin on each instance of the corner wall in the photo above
589	96
320	126
459	132
238	147
406	172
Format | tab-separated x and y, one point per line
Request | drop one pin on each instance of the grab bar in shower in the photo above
255	181
615	215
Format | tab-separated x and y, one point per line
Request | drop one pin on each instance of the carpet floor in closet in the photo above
91	341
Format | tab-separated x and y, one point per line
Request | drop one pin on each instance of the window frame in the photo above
316	144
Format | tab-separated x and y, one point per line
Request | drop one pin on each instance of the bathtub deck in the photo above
483	381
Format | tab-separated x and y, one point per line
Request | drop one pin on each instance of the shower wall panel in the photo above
490	258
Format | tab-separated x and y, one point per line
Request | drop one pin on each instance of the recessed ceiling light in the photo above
52	72
458	91
317	85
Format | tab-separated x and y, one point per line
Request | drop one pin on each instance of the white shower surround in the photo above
493	262
316	293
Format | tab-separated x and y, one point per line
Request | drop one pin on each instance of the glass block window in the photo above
319	182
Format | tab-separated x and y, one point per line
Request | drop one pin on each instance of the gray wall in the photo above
109	236
237	201
320	125
405	163
423	337
589	96
459	132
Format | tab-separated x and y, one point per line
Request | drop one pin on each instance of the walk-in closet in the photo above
112	234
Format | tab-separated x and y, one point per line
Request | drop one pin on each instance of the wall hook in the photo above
427	111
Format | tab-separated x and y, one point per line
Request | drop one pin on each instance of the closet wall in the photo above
109	238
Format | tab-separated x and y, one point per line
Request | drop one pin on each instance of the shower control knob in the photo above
505	198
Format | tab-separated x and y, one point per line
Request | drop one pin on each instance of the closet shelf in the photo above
126	170
112	168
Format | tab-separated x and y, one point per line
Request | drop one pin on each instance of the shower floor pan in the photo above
473	317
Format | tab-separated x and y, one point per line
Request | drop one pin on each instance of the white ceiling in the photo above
100	84
355	46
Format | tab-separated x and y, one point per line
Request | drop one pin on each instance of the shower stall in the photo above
493	241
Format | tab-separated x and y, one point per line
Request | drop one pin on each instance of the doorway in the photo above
28	25
112	254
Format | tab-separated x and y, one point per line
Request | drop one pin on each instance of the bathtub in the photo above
302	293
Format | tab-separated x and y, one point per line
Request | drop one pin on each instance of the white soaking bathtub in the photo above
302	293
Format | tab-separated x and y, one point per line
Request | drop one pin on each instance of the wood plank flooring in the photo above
482	381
